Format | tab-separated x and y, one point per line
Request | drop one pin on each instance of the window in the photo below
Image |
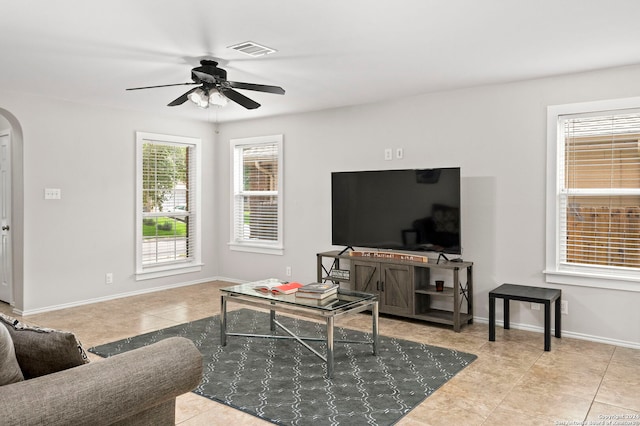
168	203
593	194
257	195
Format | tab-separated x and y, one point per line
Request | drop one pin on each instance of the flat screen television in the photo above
412	210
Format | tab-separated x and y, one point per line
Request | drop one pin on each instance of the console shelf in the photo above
447	291
443	317
405	287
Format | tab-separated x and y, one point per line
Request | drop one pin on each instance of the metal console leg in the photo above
223	321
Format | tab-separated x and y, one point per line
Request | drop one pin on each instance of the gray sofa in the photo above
134	388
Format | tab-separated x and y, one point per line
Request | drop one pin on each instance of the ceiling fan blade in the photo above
239	98
163	85
257	87
182	99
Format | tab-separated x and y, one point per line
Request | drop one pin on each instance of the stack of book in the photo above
317	291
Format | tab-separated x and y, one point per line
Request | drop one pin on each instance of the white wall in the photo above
89	153
496	134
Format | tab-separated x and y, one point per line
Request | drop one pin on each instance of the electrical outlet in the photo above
108	278
564	307
52	194
288	271
388	154
535	306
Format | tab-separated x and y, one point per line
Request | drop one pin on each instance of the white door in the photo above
6	285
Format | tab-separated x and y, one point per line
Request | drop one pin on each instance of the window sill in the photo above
167	271
593	279
257	248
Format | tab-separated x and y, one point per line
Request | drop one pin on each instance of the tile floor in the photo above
513	381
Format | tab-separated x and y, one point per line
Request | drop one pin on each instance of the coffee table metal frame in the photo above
349	302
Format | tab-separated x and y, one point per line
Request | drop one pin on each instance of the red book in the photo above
286	288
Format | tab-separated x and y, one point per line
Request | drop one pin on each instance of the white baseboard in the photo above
481	320
231	280
112	297
565	333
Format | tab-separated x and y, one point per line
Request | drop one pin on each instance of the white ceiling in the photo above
331	53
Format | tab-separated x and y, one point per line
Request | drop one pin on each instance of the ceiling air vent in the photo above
252	49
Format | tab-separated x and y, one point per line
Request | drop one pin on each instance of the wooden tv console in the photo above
405	287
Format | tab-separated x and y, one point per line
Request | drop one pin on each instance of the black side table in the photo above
525	293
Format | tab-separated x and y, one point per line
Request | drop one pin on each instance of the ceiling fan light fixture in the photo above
199	97
218	99
215	89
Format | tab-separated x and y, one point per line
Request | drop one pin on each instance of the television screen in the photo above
416	210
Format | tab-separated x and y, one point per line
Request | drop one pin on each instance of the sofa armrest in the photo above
105	391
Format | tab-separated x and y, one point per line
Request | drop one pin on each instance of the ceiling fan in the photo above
215	88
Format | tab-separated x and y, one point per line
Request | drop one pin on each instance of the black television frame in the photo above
406	235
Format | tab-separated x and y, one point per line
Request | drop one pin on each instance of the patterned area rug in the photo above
282	382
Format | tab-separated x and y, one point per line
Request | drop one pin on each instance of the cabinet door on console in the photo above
367	277
396	286
392	283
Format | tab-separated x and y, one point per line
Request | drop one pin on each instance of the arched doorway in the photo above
11	210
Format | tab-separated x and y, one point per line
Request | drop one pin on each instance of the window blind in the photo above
168	179
599	194
256	204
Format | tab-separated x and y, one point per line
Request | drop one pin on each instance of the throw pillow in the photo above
41	351
9	368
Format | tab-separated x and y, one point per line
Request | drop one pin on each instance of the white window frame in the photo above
256	246
555	271
144	272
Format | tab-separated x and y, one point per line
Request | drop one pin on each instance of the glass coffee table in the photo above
346	302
